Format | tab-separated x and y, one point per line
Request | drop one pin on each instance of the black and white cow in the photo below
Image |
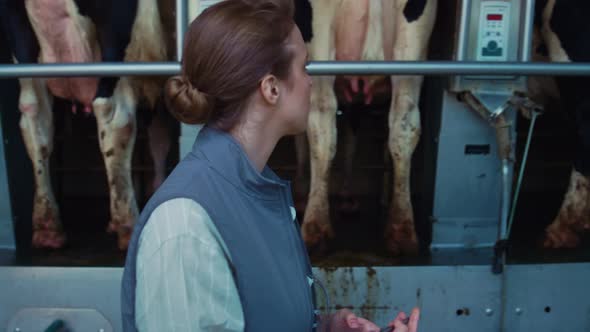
563	26
67	31
351	30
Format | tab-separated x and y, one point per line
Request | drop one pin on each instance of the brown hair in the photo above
227	51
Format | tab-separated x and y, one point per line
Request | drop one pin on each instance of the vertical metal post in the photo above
7	240
181	23
506	189
527	36
463	30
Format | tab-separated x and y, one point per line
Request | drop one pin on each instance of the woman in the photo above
217	247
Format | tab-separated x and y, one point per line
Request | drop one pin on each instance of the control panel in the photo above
494	33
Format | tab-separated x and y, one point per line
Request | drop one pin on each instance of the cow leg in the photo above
116	122
36	125
574	210
347	201
574	214
159	141
321	133
301	153
404	127
404	133
321	130
114	108
153	39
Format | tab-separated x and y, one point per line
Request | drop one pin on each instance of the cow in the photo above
562	25
75	31
352	30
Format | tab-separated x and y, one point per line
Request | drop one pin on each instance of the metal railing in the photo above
317	68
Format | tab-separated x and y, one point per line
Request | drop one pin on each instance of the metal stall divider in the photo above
453	298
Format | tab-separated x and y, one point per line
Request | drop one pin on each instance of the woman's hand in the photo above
399	324
346	321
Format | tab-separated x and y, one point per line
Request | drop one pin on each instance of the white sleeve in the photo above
184	280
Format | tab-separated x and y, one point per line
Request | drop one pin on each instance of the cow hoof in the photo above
112	227
560	237
347	204
48	239
402	247
156	183
300	203
315	236
401	240
124	236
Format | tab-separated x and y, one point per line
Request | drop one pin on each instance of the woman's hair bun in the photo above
186	103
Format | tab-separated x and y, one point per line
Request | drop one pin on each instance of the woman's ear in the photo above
270	89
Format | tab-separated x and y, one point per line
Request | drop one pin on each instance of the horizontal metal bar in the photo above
444	68
317	68
90	69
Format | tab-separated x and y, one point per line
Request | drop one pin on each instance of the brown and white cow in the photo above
68	31
563	26
351	30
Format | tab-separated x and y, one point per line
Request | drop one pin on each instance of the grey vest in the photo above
251	211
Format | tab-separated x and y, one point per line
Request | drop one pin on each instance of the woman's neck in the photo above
258	143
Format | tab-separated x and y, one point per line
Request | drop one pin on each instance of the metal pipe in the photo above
505	208
89	69
444	68
463	33
181	23
318	68
527	35
499	259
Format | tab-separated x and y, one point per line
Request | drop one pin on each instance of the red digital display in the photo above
494	17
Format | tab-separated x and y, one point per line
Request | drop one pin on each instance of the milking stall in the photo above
490	180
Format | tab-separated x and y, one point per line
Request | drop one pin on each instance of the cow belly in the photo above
364	30
351	29
64	37
359	35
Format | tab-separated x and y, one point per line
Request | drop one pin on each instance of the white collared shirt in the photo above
184	280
